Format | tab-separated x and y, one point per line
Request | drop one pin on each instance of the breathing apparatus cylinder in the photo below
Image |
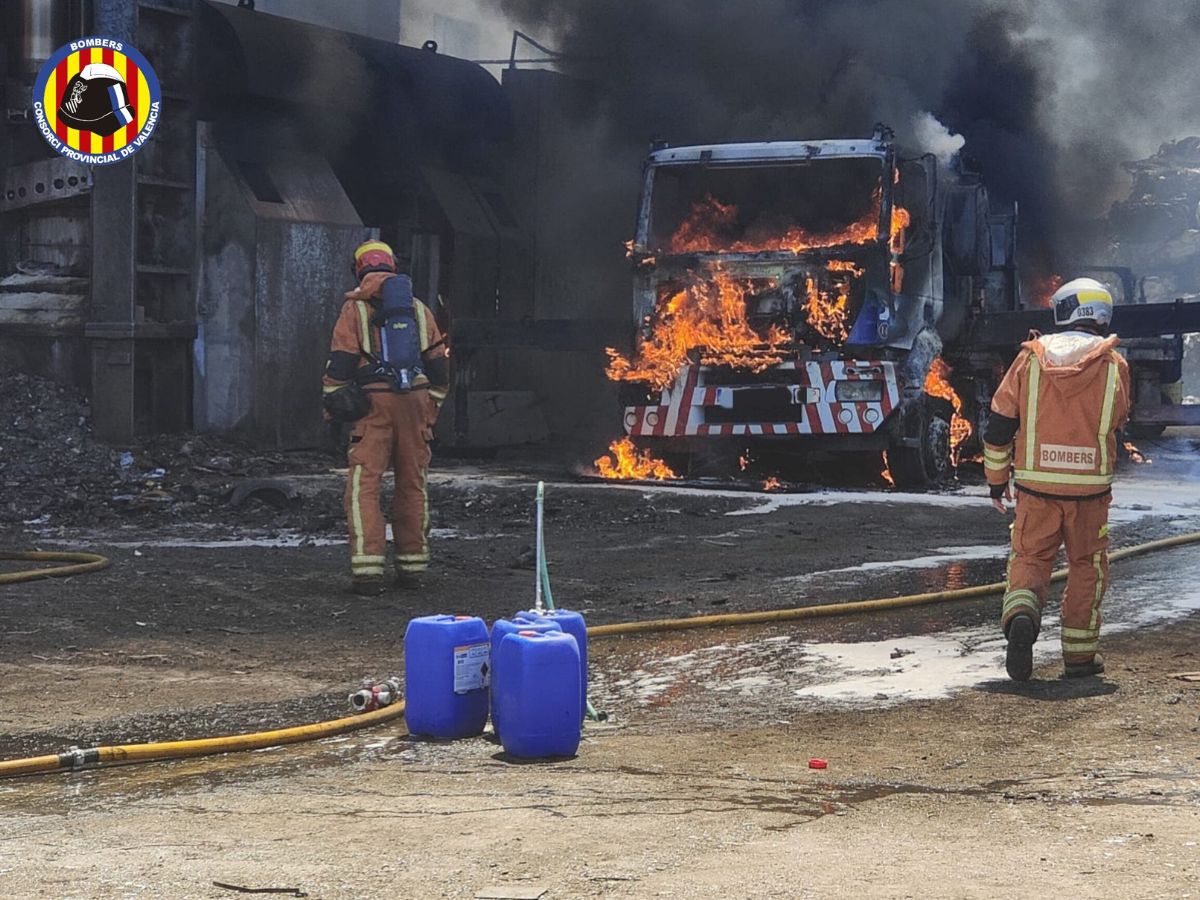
400	353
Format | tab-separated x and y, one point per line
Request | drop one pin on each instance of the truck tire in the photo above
1136	432
927	463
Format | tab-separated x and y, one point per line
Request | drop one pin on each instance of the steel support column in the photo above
114	266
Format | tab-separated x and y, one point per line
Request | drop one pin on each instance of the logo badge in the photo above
96	101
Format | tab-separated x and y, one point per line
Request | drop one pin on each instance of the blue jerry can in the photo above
573	624
537	695
500	628
447	667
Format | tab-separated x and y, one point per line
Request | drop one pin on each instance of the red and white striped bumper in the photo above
690	407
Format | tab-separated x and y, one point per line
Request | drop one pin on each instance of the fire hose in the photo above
131	753
80	564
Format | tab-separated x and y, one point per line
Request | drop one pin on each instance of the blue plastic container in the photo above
502	627
537	695
573	624
447	667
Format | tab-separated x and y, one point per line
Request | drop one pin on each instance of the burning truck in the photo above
818	293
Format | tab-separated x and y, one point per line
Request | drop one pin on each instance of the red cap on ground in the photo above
818	764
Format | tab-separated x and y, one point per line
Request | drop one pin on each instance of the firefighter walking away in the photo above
387	375
1053	432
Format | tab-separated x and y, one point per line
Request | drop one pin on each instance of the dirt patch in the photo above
1075	788
1082	790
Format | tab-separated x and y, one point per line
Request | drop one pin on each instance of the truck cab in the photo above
802	291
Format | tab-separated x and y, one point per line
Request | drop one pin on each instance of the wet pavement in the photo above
734	676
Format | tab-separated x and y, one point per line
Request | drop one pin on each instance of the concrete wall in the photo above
302	269
224	350
272	279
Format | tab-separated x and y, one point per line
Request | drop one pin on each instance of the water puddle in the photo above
923	653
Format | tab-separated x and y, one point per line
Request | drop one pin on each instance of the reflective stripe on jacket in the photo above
355	332
1069	394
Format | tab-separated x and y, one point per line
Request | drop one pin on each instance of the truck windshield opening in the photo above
748	209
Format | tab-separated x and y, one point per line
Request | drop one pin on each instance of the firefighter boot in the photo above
1083	670
368	585
1022	632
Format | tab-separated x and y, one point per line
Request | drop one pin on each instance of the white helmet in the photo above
1082	300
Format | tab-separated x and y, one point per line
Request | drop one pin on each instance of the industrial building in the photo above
194	288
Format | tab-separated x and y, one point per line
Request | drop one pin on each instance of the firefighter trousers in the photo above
1042	525
394	434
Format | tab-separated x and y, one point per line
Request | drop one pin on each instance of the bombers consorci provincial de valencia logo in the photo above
96	101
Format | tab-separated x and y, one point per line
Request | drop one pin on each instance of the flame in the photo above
743	461
706	321
708	316
937	384
701	231
1137	455
627	462
887	471
900	221
772	484
1043	289
828	311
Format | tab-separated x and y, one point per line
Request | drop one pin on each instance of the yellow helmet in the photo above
373	256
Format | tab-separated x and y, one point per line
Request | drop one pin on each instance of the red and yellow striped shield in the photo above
124	92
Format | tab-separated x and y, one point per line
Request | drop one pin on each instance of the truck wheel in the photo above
928	462
1136	432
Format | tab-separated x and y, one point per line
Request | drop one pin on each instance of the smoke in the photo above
934	137
1049	96
472	29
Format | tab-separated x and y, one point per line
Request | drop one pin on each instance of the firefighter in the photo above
387	374
1053	430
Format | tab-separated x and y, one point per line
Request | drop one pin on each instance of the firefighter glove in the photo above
347	404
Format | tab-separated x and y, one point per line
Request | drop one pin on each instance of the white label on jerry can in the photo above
472	667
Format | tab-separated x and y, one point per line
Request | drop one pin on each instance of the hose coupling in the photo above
374	696
78	758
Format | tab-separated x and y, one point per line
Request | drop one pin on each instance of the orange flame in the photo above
1043	289
1137	455
772	484
701	231
887	471
627	462
828	311
743	461
937	384
900	221
709	316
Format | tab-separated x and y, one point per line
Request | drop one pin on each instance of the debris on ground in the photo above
54	472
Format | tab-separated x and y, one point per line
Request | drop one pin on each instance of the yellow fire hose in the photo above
82	563
858	606
131	753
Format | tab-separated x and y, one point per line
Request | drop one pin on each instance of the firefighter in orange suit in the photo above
387	373
1053	430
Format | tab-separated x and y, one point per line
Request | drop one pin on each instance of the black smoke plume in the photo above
1050	96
